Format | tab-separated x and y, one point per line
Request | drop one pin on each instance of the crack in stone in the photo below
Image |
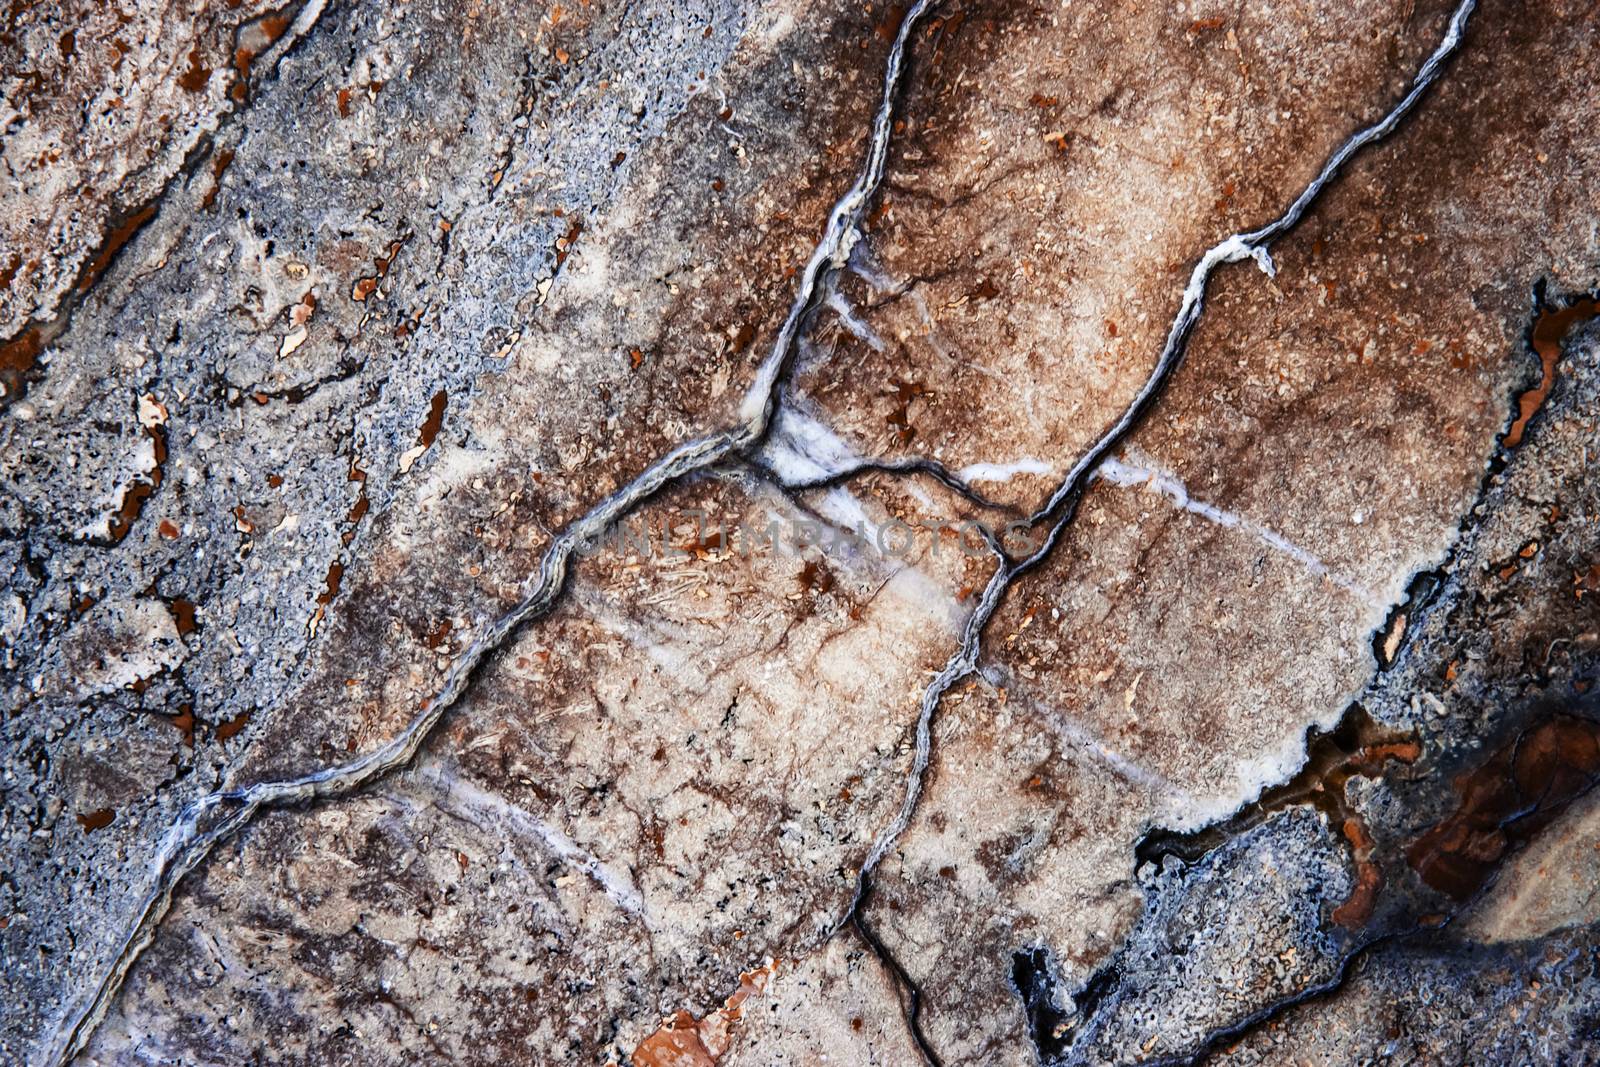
1059	510
1427	588
186	844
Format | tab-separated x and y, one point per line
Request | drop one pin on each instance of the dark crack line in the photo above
1059	510
906	988
1213	1039
900	467
186	844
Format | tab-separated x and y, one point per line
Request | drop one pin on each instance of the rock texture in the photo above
766	533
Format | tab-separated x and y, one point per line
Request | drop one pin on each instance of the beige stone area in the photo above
1550	885
1061	170
687	762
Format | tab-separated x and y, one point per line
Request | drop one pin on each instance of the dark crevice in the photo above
1033	976
906	989
1356	746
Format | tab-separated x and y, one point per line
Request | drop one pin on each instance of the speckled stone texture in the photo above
320	324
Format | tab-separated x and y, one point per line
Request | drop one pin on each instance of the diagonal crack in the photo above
1058	511
191	838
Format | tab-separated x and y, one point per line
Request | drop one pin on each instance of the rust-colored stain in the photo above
96	820
133	500
889	25
219	164
183	612
301	313
684	1041
702	547
900	417
120	234
984	290
565	243
1549	330
435	420
359	509
227	729
253	39
18	356
365	287
439	635
335	576
1518	791
195	78
185	723
814	577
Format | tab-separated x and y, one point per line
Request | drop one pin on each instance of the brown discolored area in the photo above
184	723
432	424
250	41
224	730
684	1041
1506	800
183	615
121	233
1549	330
638	728
219	165
194	79
18	357
96	820
136	495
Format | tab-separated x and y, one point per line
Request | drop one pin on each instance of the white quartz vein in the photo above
1117	472
493	813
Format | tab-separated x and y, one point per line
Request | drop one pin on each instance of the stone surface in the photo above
322	323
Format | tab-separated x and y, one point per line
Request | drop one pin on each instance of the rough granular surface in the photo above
756	533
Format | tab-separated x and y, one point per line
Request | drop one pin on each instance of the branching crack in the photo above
1058	511
204	823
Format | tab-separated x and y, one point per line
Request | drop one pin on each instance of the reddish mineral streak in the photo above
335	576
120	235
1505	801
1549	330
435	420
232	726
219	164
133	500
684	1041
